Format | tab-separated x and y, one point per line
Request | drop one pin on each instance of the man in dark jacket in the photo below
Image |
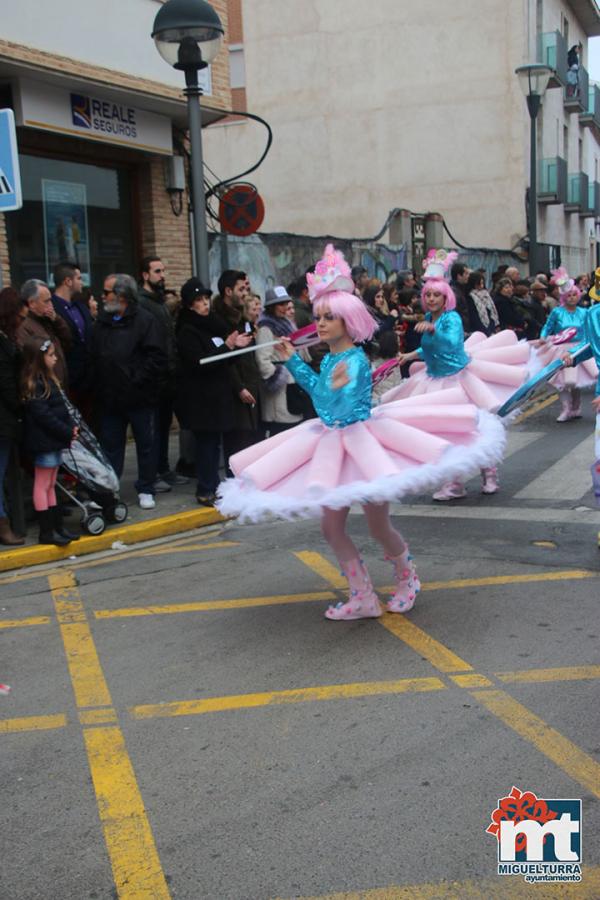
244	374
298	291
152	298
129	358
76	315
459	275
42	324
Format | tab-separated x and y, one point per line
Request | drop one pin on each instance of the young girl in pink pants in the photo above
353	453
49	429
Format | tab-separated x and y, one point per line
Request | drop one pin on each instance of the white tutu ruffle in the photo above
407	447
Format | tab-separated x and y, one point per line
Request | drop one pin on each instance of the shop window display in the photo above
71	211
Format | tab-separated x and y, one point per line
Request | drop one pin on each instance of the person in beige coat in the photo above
275	378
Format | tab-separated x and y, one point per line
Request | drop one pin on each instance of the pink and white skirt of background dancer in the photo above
406	447
499	365
583	375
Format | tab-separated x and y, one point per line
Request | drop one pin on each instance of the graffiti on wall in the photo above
270	259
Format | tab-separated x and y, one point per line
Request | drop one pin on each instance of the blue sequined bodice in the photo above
561	318
591	335
348	404
443	352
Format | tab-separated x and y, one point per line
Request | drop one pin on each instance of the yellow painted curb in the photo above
38	554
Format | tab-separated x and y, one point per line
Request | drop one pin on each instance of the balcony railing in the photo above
594	199
576	92
578	193
552	51
552	183
591	116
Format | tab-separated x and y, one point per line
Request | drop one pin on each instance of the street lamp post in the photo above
188	35
534	80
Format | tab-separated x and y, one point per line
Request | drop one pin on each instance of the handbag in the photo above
298	401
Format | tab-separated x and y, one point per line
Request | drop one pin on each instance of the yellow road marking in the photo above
507	888
133	856
568	575
471	681
204	605
136	867
23	623
282	599
150	551
32	723
88	682
97	716
326	570
566	673
186	548
44	571
577	764
87	678
422	643
537	407
322	567
275	698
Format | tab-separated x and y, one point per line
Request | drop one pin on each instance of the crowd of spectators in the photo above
130	359
504	300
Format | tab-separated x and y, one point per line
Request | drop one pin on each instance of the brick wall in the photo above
162	232
221	98
235	34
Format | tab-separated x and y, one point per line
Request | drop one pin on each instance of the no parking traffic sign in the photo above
241	210
10	176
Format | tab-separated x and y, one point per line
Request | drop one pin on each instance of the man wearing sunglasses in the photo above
128	358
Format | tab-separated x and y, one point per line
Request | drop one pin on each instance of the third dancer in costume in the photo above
568	315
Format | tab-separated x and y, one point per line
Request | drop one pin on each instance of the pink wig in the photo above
359	322
438	284
570	290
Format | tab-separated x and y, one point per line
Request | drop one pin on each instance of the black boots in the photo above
59	527
52	530
48	533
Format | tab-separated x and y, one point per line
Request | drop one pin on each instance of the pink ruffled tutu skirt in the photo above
584	375
499	365
406	447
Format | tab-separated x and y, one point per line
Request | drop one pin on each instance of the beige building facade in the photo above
413	105
101	122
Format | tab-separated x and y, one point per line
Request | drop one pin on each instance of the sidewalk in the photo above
175	512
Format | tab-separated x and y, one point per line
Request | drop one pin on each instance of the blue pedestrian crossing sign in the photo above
10	176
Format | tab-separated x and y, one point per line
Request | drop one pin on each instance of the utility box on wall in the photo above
434	231
400	229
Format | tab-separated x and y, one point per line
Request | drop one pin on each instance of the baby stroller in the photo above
87	463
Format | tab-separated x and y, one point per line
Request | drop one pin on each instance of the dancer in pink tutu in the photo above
485	370
568	315
352	453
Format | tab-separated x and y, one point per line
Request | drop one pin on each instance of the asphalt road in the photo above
184	723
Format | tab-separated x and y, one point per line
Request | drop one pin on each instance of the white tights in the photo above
333	527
